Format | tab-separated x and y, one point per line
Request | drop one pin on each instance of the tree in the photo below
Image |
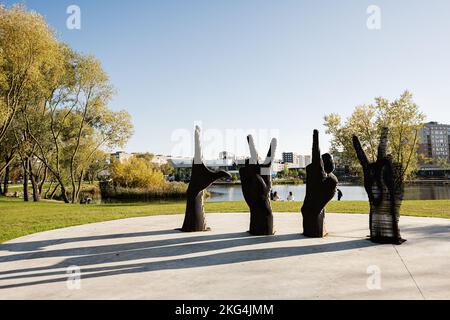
28	50
98	163
443	163
54	113
80	122
8	151
286	170
167	169
27	47
136	173
402	116
146	156
27	128
95	121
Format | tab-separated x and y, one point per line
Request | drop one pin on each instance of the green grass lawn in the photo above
19	219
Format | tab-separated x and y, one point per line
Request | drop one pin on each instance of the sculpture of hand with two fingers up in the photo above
383	181
256	182
201	178
321	186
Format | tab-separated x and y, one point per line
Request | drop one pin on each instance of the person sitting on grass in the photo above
276	197
290	197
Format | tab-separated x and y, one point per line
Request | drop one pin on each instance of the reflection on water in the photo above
412	192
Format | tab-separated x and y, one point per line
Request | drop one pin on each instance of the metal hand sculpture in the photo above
201	178
321	186
256	184
383	181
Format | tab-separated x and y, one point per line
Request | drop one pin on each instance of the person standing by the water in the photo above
340	194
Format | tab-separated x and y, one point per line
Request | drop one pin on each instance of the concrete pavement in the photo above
144	258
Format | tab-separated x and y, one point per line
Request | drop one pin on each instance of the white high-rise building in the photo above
295	160
308	160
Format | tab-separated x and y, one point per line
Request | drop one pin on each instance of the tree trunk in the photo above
73	190
76	187
41	184
34	183
52	194
6	180
25	180
79	185
64	193
48	190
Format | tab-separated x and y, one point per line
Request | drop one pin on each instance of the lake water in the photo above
412	192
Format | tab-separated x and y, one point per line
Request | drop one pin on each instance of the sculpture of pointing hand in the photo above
201	178
321	186
383	181
256	185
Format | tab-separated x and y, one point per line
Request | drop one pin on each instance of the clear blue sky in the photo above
251	64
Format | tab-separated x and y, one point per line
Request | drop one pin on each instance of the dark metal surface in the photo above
383	181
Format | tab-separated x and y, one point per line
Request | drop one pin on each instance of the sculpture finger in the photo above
266	168
272	151
198	157
261	185
316	148
222	175
328	163
253	152
382	147
360	152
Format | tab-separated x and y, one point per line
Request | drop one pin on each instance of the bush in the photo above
168	190
137	173
90	191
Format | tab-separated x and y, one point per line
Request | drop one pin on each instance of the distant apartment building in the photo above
308	160
288	157
301	161
294	160
435	141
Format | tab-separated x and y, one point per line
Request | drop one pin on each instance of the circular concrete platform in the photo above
144	258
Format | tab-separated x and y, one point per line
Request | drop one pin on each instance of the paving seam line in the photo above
410	274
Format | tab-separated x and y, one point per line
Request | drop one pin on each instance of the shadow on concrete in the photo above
40	245
100	250
435	232
123	253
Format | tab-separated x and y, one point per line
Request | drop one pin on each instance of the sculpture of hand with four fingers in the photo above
201	178
321	186
383	181
256	185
